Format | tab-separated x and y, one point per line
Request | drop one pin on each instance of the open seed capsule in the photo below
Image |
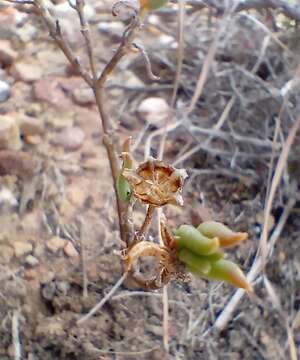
190	238
226	236
196	261
224	270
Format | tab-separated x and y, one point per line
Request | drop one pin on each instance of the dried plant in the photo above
154	183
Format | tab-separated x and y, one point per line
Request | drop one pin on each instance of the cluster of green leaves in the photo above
201	250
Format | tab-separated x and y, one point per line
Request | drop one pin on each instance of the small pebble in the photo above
55	244
31	260
83	96
70	139
63	287
154	110
6	254
22	248
4	91
18	163
48	291
29	125
70	250
9	133
26	71
7	54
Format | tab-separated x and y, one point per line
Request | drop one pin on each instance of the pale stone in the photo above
31	260
6	254
55	244
29	125
7	54
22	248
9	134
70	250
4	91
83	96
154	110
26	71
70	138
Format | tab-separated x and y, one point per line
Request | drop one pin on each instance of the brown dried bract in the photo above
168	265
156	183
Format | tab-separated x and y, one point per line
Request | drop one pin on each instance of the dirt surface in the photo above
57	204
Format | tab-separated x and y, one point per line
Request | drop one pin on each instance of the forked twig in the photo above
103	301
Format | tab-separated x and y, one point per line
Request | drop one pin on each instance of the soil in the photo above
58	204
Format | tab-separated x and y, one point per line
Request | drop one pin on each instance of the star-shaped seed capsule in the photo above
156	183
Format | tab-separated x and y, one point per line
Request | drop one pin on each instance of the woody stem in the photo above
146	224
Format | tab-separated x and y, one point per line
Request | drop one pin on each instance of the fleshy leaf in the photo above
190	238
123	188
224	270
195	261
226	236
152	4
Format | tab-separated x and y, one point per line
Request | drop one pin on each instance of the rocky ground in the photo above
56	199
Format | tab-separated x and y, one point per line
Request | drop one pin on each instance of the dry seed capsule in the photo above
226	236
190	238
196	261
123	188
224	270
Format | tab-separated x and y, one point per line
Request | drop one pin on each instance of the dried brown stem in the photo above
123	49
55	32
147	222
85	31
96	85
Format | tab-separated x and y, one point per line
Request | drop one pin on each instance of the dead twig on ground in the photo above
282	6
16	335
103	301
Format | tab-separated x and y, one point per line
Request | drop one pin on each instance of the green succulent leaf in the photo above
190	238
123	188
224	270
226	236
195	261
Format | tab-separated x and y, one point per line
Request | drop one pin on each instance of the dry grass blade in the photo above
272	293
217	126
165	299
292	345
92	349
275	183
229	309
180	51
204	73
266	30
15	335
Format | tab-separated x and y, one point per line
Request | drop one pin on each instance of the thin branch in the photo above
147	62
103	301
147	222
85	31
180	50
55	32
165	297
123	49
281	6
21	2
